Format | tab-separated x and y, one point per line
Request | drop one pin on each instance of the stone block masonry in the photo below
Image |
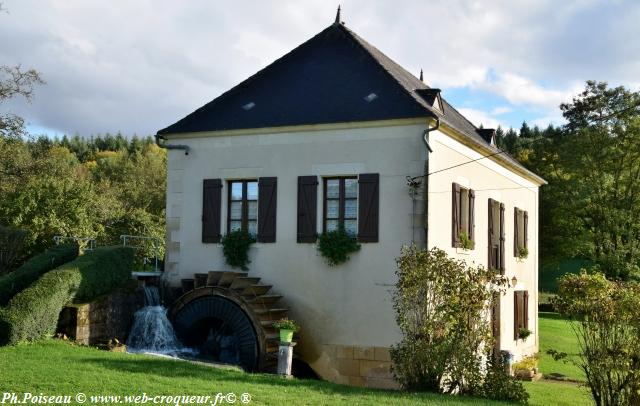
101	320
368	367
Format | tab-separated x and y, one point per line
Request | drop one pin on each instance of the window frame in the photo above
244	215
521	312
465	227
520	230
341	201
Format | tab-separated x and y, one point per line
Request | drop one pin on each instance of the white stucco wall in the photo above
349	304
345	305
489	180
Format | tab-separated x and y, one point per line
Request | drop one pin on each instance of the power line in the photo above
477	159
615	113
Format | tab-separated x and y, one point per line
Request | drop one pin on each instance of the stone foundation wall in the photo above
99	321
368	367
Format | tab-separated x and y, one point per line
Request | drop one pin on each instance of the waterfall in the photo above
152	331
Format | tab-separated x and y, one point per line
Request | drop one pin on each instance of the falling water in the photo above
152	331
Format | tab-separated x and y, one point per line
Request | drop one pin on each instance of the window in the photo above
520	230
463	217
341	204
520	312
496	235
242	211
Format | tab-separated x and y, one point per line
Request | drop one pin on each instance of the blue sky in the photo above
136	66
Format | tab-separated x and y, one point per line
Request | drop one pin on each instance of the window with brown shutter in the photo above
463	203
368	207
307	208
242	210
341	204
520	230
267	199
211	203
496	236
520	312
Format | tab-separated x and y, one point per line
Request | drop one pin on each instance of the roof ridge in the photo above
365	45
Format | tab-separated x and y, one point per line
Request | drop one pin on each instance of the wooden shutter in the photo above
502	240
211	203
526	229
455	215
490	236
525	309
472	217
267	199
515	232
368	203
516	314
307	208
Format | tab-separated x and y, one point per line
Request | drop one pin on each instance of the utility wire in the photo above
478	159
615	113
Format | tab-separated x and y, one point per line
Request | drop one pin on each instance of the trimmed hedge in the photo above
32	269
33	313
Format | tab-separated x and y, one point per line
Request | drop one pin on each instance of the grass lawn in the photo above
58	368
556	333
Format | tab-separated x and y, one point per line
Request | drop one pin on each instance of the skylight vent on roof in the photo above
370	97
249	106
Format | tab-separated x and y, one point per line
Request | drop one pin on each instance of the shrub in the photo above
605	317
31	270
441	306
235	247
33	313
336	246
11	244
498	385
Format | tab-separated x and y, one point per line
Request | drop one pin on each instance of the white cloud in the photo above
523	91
501	110
140	65
478	118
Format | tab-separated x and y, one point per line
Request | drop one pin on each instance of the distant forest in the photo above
99	187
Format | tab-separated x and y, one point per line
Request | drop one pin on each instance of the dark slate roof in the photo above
326	80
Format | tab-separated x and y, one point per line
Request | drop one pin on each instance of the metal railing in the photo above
87	243
135	242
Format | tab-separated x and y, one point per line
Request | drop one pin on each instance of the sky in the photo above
136	66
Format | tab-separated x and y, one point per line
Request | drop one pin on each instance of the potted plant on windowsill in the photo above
523	253
524	333
336	246
235	247
287	327
466	243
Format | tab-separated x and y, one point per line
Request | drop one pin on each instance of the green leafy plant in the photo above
440	305
33	313
523	252
31	270
466	242
605	317
523	333
499	385
526	364
336	246
286	324
235	247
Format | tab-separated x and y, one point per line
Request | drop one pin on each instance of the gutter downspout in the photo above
164	145
425	189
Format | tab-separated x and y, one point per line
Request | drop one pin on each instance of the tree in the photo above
600	155
14	81
605	317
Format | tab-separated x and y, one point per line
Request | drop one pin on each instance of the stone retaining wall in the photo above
99	321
